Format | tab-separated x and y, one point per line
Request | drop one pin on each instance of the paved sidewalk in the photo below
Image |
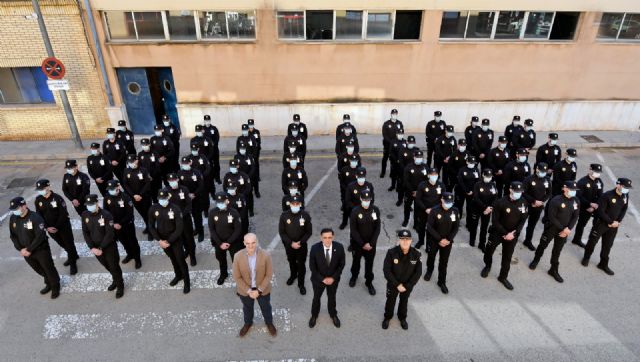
61	150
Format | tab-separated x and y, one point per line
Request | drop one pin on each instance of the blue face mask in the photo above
295	209
233	170
448	205
293	163
163	202
418	161
94	152
522	159
221	205
366	204
70	171
572	193
243	151
624	191
113	192
17	212
293	192
231	191
92	208
361	180
542	174
173	184
353	164
517	195
194	153
185	167
42	192
110	136
433	178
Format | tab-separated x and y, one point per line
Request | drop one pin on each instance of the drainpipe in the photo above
103	69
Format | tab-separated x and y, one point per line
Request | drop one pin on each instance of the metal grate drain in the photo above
22	182
591	138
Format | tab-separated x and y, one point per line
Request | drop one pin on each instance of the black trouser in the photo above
249	197
41	262
102	187
459	197
556	187
400	185
449	179
318	290
473	218
390	304
532	222
255	184
346	211
175	159
408	203
175	252
551	233
608	234
215	164
393	173
127	237
507	252
420	224
118	171
434	248
64	238
342	191
297	259
110	260
209	186
257	159
430	150
197	212
369	256
438	163
142	207
386	147
583	220
188	242
499	185
221	255
154	187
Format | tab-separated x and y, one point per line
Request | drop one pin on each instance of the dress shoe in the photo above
336	321
186	288
606	269
506	283
218	180
585	262
272	330
485	272
391	188
481	246
371	289
534	263
385	323
579	243
193	261
67	262
349	248
251	213
472	243
138	264
405	223
221	279
352	282
399	202
201	237
443	288
382	174
427	275
303	290
291	279
112	287
312	322
529	245
120	292
404	324
73	270
55	292
342	226
175	281
126	259
555	275
243	331
257	195
145	231
45	290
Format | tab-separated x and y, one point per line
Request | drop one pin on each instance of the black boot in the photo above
534	263
119	291
55	292
554	273
73	269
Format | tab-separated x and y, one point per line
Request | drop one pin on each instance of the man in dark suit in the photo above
326	261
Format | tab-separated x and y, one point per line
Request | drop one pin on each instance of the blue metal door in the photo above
134	88
169	99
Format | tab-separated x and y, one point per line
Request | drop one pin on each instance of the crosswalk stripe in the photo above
165	323
147	247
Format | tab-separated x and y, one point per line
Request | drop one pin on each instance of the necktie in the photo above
327	257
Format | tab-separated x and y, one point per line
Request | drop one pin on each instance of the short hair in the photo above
327	230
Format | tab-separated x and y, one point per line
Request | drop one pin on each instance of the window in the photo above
319	25
291	25
407	25
379	25
181	25
149	25
213	25
120	25
509	25
26	85
619	26
348	25
242	24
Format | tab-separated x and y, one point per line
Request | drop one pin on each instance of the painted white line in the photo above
147	247
613	178
279	360
166	323
27	199
307	201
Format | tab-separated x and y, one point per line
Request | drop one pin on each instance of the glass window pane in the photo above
538	25
630	27
27	85
609	25
564	25
480	24
149	25
213	25
319	25
509	24
290	24
120	25
348	24
242	24
182	25
46	96
407	25
453	24
379	25
9	90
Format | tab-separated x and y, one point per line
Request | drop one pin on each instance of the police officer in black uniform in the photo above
442	225
444	147
509	216
427	197
302	128
517	169
549	153
537	191
347	175
294	173
467	178
238	202
116	152
225	229
98	232
434	129
212	132
405	158
590	188
291	153
343	158
125	136
255	133
148	160
402	269
389	134
346	122
353	192
295	229
120	206
347	137
162	146
497	160
561	215
525	137
99	168
565	170
53	210
457	161
471	128
365	222
75	185
27	232
201	163
243	180
179	196
481	142
249	165
199	196
397	147
293	191
165	226
248	141
137	183
511	129
203	143
480	207
173	132
414	174
298	139
612	207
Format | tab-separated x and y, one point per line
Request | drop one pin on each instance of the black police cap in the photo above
516	118
522	151
132	157
111	130
475	119
432	170
572	152
487	172
400	131
242	144
346	116
292	183
164	117
163	194
185	160
450	128
516	186
462	142
122	122
437	113
394	111
112	184
351	142
198	128
418	153
221	196
502	139
553	136
361	171
294	127
296	117
571	185
472	159
233	162
245	127
297	199
207	117
411	139
173	176
542	166
145	142
354	157
251	122
403	234
91	199
366	196
625	182
42	184
595	167
485	121
157	127
16	202
70	163
95	146
528	122
447	196
195	147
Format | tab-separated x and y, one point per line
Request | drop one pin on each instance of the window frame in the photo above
21	90
617	38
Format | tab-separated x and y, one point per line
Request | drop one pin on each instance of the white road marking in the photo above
307	201
279	360
147	247
165	323
613	178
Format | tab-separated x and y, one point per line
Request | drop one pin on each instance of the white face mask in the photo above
207	122
410	146
595	174
471	165
233	170
231	191
110	136
624	190
293	163
295	209
553	142
70	171
438	118
350	149
400	137
293	192
173	184
502	146
94	152
522	159
485	128
361	180
294	133
528	128
353	164
145	148
121	128
194	153
292	149
158	133
243	151
462	148
132	165
516	123
474	124
198	134
394	117
166	123
571	159
487	179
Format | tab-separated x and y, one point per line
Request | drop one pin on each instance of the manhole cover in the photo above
591	138
390	216
22	182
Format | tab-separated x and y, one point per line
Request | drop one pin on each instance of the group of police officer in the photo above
501	190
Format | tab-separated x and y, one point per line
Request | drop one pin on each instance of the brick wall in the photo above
21	45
